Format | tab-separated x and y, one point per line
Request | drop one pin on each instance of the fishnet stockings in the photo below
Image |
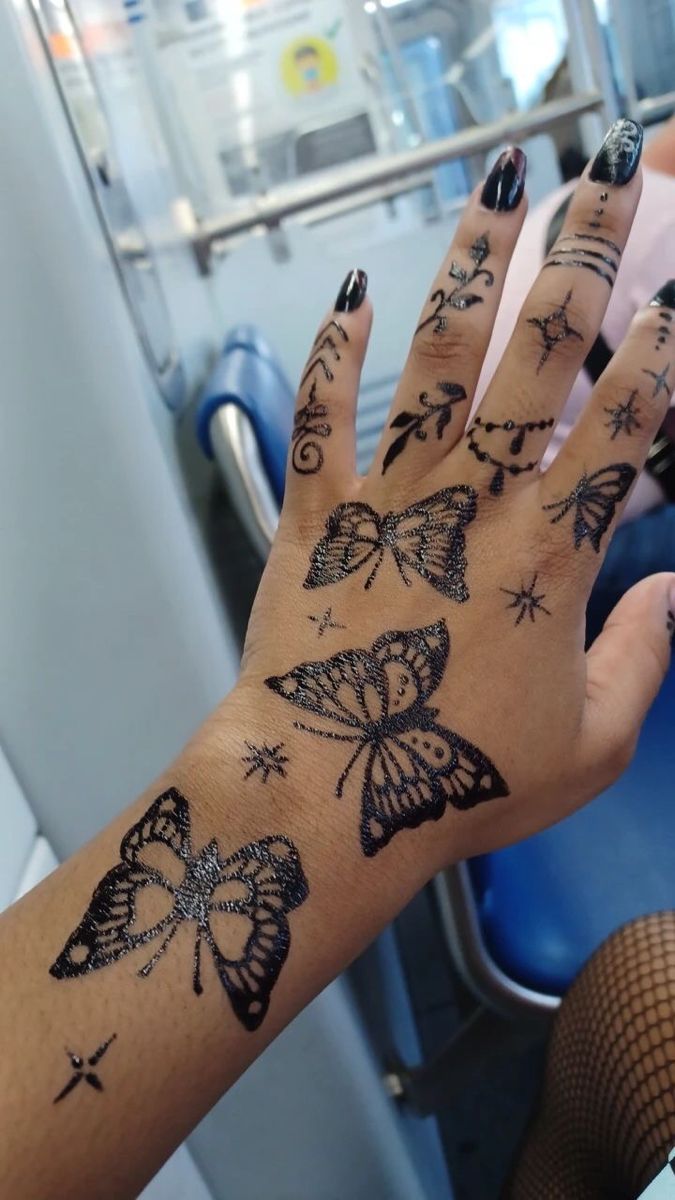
607	1118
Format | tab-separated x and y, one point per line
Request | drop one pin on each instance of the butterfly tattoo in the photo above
594	500
239	905
426	538
376	700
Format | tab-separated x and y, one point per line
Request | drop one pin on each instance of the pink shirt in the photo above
647	262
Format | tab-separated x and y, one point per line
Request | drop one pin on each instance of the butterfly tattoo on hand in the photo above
594	500
426	538
376	700
241	901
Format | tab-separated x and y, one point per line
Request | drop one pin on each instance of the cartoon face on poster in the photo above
309	65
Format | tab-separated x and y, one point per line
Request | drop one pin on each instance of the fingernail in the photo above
665	297
353	292
618	157
503	189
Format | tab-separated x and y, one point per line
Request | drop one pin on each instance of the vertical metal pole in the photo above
618	15
590	69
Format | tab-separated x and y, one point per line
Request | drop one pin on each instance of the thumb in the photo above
625	668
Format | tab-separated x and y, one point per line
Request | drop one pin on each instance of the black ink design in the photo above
325	621
412	424
579	262
526	601
660	381
617	159
554	329
517	434
259	886
599	212
623	418
80	1071
325	340
594	500
378	698
590	237
427	538
307	455
266	759
460	297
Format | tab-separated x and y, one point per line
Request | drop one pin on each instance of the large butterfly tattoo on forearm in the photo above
426	538
259	886
377	698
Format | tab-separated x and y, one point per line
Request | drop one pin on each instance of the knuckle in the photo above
431	350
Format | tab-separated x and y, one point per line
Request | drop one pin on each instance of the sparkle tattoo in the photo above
376	701
325	621
526	601
265	759
239	905
623	418
505	461
413	424
554	329
426	539
83	1069
308	427
460	296
660	378
594	501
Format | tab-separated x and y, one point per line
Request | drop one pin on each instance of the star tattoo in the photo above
624	417
526	601
80	1071
554	329
660	381
325	621
266	759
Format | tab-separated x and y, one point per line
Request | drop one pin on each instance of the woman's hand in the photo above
423	626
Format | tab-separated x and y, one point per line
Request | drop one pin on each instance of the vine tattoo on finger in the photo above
504	461
594	499
239	905
460	296
413	424
309	423
376	700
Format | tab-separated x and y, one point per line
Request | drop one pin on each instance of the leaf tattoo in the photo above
460	297
413	424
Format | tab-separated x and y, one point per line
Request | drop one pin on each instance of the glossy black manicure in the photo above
618	157
665	297
353	292
503	189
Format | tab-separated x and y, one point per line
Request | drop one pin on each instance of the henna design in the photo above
459	297
80	1071
413	768
412	424
503	465
266	759
591	237
325	621
623	418
660	381
427	538
525	601
554	329
258	885
594	500
325	341
307	454
584	258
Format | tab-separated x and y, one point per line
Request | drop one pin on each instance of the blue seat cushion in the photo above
546	904
248	375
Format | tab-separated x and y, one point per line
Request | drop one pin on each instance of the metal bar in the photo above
653	106
270	210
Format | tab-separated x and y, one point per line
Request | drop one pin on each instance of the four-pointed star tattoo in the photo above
660	380
80	1069
554	329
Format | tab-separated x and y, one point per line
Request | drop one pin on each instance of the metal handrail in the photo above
270	210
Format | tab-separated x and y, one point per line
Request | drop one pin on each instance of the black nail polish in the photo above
503	189
353	292
665	297
618	157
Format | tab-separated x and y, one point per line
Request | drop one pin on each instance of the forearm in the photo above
175	1049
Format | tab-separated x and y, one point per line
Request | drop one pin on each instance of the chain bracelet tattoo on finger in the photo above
504	462
375	700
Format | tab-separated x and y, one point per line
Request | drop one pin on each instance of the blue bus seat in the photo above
546	904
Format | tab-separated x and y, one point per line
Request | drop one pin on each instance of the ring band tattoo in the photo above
427	538
518	432
594	500
460	297
602	264
257	886
413	424
376	701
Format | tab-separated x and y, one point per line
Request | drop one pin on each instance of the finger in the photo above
434	394
562	315
586	486
323	440
625	668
